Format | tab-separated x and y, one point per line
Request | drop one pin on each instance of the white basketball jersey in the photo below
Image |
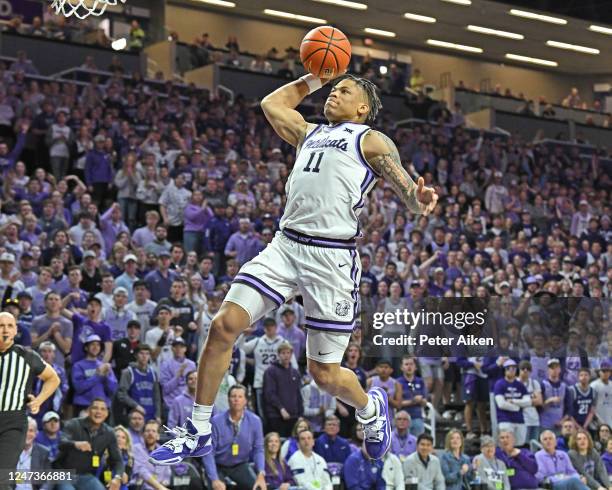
328	183
265	353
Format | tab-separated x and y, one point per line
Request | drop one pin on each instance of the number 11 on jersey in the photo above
310	160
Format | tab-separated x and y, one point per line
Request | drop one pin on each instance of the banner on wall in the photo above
28	9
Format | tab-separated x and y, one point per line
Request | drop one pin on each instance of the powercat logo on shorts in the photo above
326	142
343	307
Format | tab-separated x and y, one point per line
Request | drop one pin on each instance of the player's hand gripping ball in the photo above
325	52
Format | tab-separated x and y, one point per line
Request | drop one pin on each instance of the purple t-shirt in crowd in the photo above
83	328
90	385
514	390
42	323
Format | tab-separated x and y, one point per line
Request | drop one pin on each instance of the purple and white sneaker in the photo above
187	444
377	430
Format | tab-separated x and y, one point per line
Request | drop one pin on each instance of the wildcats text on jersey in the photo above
330	173
328	142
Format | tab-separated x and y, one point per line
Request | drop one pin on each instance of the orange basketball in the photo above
325	52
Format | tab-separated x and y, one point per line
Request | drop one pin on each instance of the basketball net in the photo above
82	8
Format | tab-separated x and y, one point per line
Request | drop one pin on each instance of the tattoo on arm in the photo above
390	166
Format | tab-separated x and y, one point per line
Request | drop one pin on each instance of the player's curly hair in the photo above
371	91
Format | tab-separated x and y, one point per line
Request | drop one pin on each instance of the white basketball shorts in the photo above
326	272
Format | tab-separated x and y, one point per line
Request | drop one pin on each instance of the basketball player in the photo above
314	255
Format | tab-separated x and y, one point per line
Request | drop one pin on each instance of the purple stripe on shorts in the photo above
355	291
316	321
347	329
262	287
318	241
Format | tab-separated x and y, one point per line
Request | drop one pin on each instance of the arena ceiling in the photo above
452	18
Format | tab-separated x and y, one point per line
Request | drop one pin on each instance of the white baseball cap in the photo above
7	257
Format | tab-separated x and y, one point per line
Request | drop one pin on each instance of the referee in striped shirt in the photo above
18	367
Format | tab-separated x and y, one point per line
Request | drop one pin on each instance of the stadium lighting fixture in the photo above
494	32
529	59
460	47
601	29
289	15
459	2
572	47
419	18
219	3
531	15
345	3
379	32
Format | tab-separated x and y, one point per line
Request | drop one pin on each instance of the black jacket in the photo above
282	388
40	462
124	353
103	444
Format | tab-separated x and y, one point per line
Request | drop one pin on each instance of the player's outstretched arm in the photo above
382	154
279	109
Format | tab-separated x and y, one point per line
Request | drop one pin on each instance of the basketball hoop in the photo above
82	8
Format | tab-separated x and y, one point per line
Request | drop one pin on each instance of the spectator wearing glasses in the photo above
491	470
602	437
329	445
403	443
555	467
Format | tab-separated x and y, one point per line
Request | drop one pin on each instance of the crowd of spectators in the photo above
389	77
543	107
73	29
125	214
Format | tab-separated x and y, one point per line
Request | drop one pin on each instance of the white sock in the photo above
200	416
368	411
